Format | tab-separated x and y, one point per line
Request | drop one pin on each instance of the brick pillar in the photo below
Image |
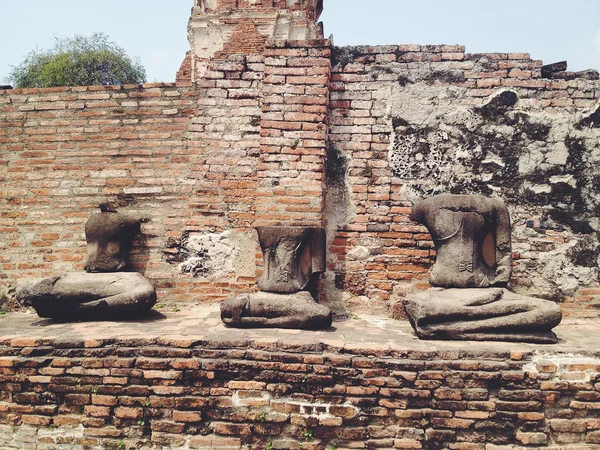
291	170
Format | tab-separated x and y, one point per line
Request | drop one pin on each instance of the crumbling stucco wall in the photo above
220	28
408	122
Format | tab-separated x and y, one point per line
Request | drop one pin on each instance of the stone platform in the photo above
181	379
367	333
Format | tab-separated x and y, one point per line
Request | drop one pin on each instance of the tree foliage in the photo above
78	61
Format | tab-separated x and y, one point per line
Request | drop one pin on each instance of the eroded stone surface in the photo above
192	322
270	310
482	315
214	255
89	296
109	235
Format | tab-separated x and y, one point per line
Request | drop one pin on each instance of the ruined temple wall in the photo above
300	136
218	29
203	162
212	392
407	122
184	156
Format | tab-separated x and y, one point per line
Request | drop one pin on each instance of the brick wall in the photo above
185	70
407	122
213	393
66	149
304	134
171	153
197	160
293	134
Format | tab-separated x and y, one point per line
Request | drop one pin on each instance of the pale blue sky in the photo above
551	30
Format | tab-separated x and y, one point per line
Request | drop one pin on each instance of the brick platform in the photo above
183	380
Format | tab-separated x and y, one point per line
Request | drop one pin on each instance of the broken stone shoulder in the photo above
294	258
104	293
472	239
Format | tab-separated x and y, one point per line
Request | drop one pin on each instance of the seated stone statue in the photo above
294	257
95	296
471	234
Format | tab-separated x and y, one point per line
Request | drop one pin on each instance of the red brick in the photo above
128	413
187	416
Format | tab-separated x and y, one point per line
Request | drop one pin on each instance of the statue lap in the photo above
294	258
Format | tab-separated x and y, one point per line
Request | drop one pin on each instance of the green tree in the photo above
78	61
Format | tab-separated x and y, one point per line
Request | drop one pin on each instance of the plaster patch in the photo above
359	253
566	179
239	402
215	255
563	273
558	154
561	365
538	188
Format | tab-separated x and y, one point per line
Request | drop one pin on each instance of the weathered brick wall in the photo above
293	134
407	122
298	136
64	150
183	156
211	393
204	163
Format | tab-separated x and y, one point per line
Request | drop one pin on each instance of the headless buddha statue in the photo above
294	258
471	234
109	235
106	291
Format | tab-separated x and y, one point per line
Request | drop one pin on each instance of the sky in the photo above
156	31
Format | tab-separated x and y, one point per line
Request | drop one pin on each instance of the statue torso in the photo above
459	238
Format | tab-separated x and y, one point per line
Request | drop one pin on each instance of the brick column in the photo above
295	98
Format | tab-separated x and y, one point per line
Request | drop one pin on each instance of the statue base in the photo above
268	310
89	296
490	314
